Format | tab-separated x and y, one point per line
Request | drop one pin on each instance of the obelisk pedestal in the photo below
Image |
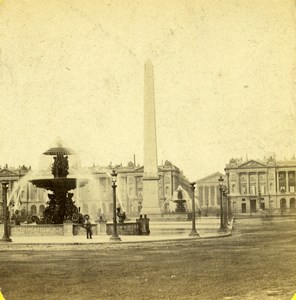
150	204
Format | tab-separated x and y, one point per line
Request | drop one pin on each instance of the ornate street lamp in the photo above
225	206
5	237
222	226
114	236
193	230
259	200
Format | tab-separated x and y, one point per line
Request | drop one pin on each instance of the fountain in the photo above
61	207
180	201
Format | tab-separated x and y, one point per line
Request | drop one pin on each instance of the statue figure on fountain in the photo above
121	216
60	166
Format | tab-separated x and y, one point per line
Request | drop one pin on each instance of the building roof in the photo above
210	178
8	173
269	162
132	168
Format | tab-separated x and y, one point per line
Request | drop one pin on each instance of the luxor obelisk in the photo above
150	204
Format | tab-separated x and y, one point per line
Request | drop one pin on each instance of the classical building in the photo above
266	185
130	188
207	192
96	196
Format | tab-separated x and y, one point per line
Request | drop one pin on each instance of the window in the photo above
167	178
252	189
233	188
262	189
140	192
167	191
243	189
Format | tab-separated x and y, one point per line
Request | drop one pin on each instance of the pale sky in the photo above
224	80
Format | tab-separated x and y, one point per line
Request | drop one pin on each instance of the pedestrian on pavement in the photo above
88	227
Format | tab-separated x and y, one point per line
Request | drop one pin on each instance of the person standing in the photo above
88	227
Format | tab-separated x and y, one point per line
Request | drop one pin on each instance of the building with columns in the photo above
207	192
262	185
130	188
96	197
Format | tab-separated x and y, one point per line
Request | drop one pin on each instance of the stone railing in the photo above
66	229
140	227
35	230
78	229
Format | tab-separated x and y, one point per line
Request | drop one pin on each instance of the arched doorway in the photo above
33	210
292	203
283	204
41	209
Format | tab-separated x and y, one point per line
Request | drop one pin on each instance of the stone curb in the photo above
221	235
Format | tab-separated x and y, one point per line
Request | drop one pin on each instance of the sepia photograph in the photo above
148	149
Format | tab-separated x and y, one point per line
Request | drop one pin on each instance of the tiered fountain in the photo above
61	207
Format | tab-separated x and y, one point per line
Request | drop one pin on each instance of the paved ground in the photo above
257	262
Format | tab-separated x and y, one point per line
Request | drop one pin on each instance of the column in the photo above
248	183
287	182
216	196
238	184
204	195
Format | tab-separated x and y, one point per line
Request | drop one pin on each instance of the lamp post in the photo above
114	236
225	206
5	237
193	230
228	211
222	226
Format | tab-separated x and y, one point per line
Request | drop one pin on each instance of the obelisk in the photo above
150	204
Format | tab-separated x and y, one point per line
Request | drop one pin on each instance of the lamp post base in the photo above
223	229
194	233
115	238
6	239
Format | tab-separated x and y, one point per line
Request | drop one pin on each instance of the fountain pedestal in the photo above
68	228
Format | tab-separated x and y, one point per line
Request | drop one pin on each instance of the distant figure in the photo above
147	224
121	216
140	222
16	218
87	225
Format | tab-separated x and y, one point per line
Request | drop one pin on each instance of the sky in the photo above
74	70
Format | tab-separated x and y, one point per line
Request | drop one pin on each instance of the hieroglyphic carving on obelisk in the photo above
150	203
